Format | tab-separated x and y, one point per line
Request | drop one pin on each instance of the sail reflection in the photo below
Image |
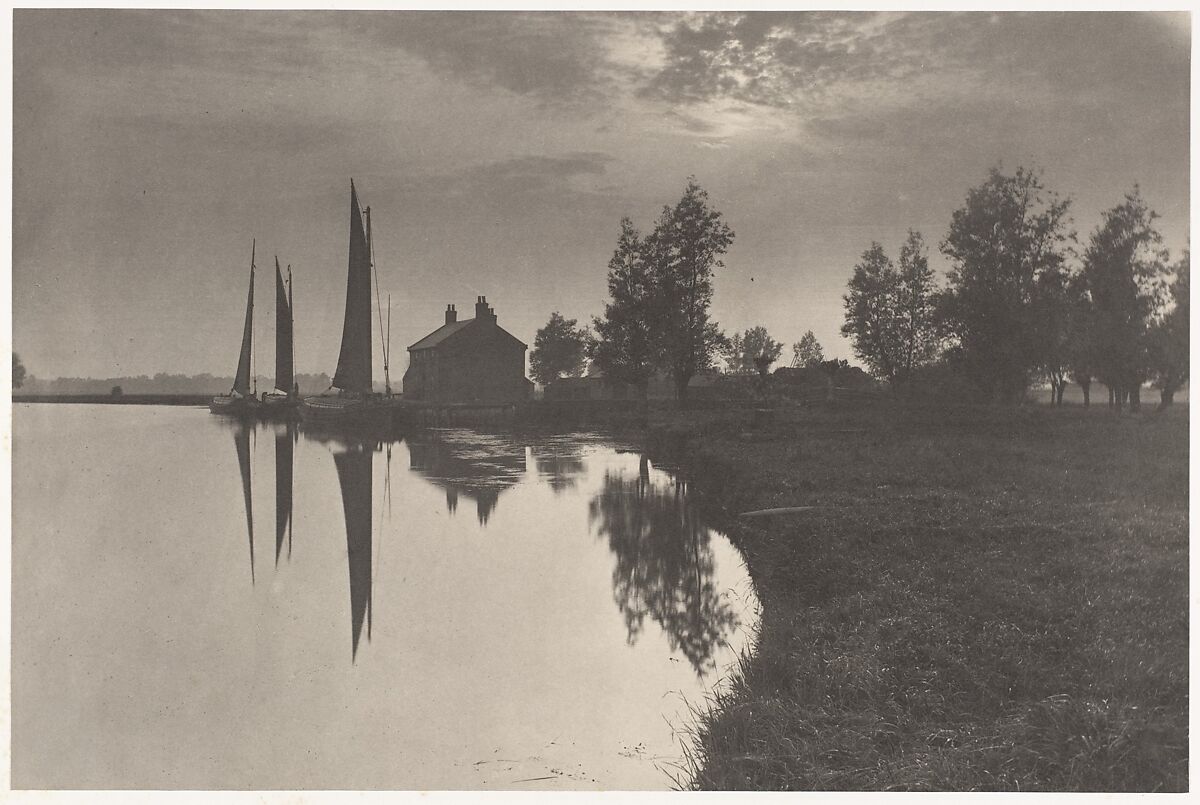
355	478
241	439
664	564
480	470
284	459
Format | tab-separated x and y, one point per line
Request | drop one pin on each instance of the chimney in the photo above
451	314
482	311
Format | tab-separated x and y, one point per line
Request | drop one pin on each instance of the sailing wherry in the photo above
240	401
354	401
285	397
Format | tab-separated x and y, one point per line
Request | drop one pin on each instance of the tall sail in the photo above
283	489
354	362
283	334
354	475
241	381
241	438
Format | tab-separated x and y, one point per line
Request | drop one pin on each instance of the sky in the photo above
499	152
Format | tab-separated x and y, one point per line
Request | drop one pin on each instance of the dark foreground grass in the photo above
982	599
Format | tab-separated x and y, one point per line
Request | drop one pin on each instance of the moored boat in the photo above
351	399
240	401
284	398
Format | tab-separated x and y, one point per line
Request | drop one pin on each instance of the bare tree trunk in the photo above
1112	397
1135	399
1062	386
1087	396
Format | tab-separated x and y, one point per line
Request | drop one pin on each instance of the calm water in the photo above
455	611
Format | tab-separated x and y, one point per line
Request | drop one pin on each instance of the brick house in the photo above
470	361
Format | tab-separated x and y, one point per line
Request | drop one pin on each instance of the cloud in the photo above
553	56
804	59
549	177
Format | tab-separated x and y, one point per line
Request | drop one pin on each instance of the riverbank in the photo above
115	399
979	599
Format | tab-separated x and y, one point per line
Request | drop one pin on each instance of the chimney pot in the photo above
451	314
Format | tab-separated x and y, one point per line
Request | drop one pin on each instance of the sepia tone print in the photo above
467	401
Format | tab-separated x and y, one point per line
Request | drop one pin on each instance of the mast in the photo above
354	361
292	312
387	382
241	381
283	335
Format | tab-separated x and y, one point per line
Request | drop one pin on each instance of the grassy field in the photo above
982	599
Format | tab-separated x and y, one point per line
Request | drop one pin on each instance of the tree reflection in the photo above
558	465
665	565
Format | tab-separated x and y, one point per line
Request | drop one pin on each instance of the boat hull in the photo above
233	406
279	407
331	410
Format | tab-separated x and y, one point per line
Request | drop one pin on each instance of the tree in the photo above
684	250
807	351
18	377
1010	232
623	348
1054	312
830	369
1081	350
1123	270
744	349
559	350
916	306
1169	347
872	323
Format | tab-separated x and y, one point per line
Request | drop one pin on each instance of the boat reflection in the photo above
285	440
479	469
241	440
664	564
355	478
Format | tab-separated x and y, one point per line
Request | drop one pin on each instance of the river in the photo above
202	605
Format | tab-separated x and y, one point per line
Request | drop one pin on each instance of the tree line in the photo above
657	317
1021	302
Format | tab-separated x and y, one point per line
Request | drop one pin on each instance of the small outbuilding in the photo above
469	361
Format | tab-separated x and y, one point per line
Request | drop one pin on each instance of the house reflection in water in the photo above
664	564
478	470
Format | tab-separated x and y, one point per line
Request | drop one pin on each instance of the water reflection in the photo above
474	466
355	478
559	465
284	459
517	668
664	564
241	439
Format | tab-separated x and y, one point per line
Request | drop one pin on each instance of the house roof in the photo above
441	334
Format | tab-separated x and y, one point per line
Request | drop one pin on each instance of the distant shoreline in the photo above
121	399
